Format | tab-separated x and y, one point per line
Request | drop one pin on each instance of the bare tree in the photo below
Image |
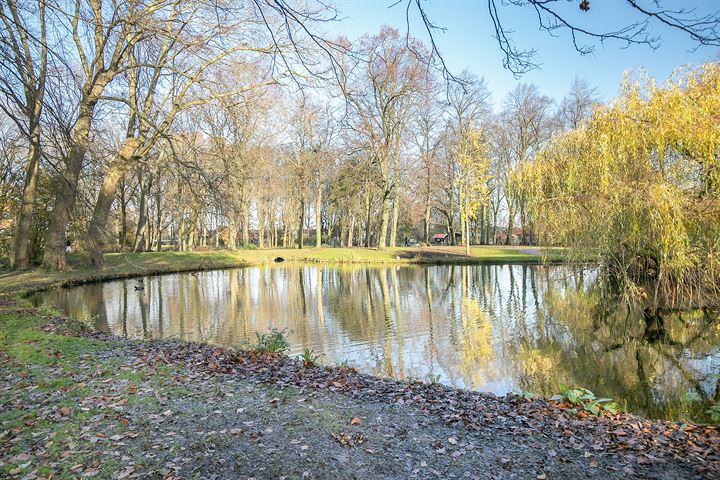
577	21
525	119
429	137
378	87
102	41
577	105
23	73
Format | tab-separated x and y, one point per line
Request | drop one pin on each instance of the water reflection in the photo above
496	328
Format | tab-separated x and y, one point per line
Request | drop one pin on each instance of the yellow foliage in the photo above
475	347
637	188
473	172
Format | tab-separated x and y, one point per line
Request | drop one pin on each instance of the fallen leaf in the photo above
355	421
64	411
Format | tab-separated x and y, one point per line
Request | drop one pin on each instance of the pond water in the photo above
495	328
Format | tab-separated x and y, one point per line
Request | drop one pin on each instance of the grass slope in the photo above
119	265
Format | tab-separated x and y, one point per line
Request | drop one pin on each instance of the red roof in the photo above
439	236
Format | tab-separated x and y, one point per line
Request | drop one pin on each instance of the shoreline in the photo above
172	382
132	265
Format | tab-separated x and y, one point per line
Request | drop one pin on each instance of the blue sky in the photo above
468	42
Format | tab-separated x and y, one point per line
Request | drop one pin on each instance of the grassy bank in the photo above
121	265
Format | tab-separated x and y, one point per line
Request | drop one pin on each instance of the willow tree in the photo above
637	188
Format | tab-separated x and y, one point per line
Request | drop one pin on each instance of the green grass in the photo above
65	370
120	265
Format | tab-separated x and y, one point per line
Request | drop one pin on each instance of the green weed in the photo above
310	358
273	341
585	399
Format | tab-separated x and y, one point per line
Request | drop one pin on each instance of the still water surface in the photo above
495	328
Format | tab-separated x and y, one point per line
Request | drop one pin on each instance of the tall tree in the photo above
378	84
23	74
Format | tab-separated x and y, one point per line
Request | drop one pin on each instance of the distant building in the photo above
440	239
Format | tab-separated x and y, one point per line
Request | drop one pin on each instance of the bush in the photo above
714	412
272	342
310	358
585	399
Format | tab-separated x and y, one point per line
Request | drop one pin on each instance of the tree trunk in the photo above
384	218
245	224
217	230
97	230
56	239
301	235
395	211
511	215
19	259
232	234
351	227
318	217
158	217
426	227
523	221
261	227
142	218
467	237
367	217
123	216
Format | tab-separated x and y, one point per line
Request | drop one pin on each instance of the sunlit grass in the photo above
134	264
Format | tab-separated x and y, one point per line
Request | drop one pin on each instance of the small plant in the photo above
527	395
273	341
310	358
585	399
432	378
345	367
714	412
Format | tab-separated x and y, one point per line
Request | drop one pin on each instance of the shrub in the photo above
273	341
310	358
585	399
714	412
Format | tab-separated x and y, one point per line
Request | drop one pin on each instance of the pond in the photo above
494	328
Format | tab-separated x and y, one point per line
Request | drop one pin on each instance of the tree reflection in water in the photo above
497	328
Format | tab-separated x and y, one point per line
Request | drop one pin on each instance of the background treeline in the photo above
143	125
166	124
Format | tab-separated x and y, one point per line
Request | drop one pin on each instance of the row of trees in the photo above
136	124
96	90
